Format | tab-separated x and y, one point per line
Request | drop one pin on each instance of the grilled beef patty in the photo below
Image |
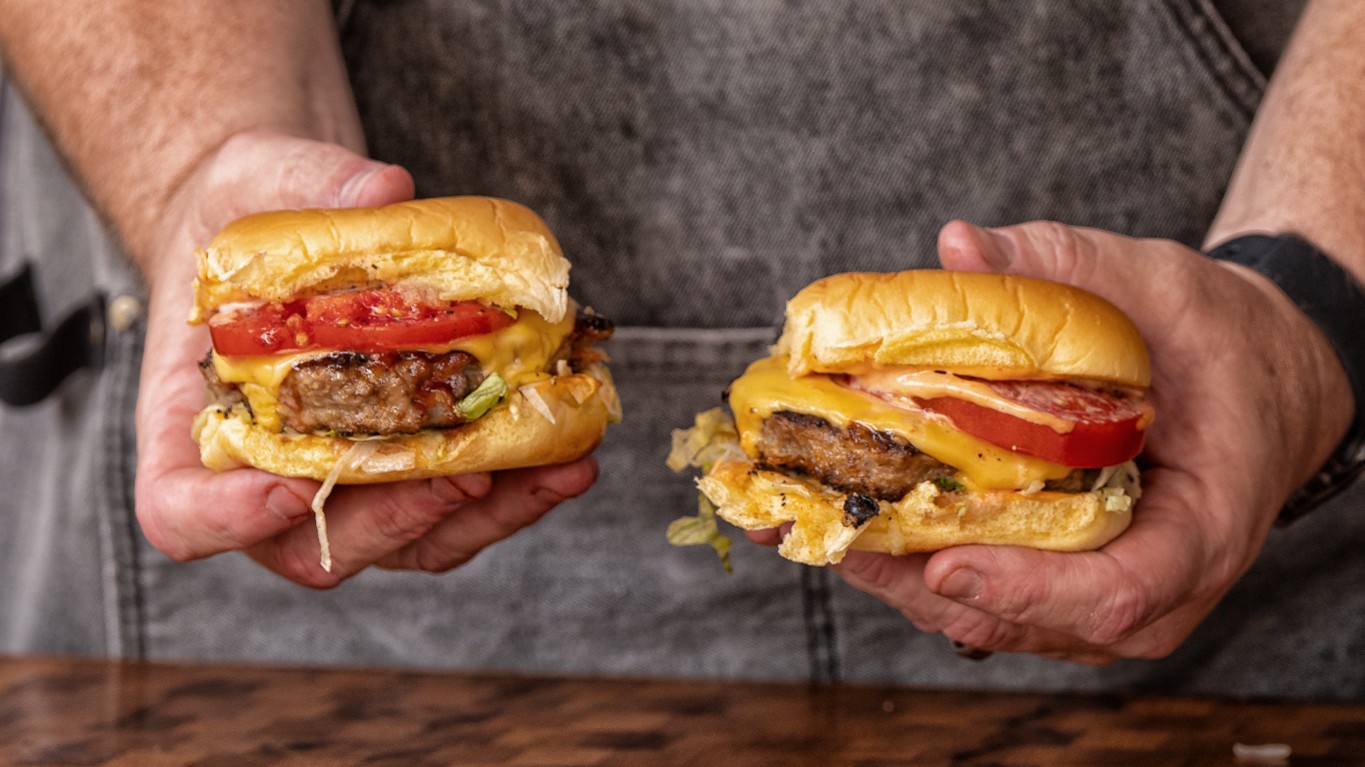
863	461
391	393
855	460
355	394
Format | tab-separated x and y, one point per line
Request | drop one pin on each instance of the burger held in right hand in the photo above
415	340
914	411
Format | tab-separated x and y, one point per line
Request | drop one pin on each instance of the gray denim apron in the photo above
700	162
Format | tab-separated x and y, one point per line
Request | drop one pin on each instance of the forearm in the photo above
1303	171
135	94
1303	166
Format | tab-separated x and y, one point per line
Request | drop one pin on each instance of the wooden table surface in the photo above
90	712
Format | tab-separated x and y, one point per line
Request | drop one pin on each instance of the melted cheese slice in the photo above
766	388
519	352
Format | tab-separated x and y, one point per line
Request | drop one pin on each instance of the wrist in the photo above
1326	377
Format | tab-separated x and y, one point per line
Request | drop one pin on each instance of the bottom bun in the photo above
926	519
553	421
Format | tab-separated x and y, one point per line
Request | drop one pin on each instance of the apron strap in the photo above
31	371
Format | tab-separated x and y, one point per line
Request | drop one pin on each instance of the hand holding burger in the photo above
1217	462
188	511
1230	357
914	411
408	341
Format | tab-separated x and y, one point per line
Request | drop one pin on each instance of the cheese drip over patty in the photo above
767	388
519	352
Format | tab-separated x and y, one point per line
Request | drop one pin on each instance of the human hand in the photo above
188	511
1250	400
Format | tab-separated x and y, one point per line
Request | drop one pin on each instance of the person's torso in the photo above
700	162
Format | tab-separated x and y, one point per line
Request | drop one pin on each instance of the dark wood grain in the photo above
88	712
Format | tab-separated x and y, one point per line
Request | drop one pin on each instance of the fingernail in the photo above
285	505
996	249
351	191
962	585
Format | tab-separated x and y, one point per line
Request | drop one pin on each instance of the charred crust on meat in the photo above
578	351
592	325
858	509
865	461
856	459
225	395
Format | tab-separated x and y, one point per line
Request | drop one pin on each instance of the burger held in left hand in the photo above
413	340
915	411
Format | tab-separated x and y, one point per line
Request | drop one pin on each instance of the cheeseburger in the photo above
406	341
914	411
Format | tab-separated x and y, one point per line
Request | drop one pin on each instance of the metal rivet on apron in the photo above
124	312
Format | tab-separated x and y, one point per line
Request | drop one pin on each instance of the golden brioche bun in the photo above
514	435
985	325
922	521
462	248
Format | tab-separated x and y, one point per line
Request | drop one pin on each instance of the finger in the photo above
518	499
259	171
1103	263
770	536
1102	598
186	510
191	512
366	522
898	581
267	170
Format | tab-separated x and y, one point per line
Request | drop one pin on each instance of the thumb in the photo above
257	171
1076	255
268	170
261	170
1104	263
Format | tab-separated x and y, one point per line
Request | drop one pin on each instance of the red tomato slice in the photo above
1105	429
267	329
363	321
381	320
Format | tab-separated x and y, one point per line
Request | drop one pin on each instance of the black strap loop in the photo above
1332	298
28	377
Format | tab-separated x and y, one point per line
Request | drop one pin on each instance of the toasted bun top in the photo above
460	248
987	325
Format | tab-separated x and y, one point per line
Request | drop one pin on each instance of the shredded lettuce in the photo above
483	398
1120	485
711	438
701	529
949	484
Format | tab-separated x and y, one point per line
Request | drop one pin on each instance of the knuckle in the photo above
397	519
458	489
1071	252
1019	600
1116	618
432	557
513	516
982	631
874	573
151	519
171	546
1156	649
301	565
518	515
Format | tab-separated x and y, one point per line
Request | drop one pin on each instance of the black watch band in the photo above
1335	300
